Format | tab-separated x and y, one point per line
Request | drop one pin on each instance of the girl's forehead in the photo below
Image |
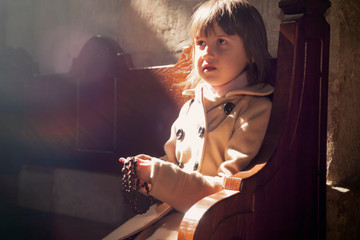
211	31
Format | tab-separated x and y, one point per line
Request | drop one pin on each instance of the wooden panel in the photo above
96	71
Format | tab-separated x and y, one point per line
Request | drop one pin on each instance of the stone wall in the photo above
153	32
343	193
344	86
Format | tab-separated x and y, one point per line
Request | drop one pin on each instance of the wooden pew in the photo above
77	125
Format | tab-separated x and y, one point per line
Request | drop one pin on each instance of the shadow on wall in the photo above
153	32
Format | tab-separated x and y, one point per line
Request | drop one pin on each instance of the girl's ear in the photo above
252	61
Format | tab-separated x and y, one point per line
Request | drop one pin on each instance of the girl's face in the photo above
219	58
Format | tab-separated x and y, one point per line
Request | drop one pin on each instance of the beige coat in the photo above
213	138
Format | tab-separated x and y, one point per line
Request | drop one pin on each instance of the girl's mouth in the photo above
208	68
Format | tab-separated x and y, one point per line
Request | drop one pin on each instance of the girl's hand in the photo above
143	157
143	168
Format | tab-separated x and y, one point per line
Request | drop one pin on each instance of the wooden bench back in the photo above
103	108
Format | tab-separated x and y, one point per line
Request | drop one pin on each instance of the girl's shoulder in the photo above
252	100
260	90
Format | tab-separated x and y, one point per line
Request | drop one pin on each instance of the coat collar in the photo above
261	89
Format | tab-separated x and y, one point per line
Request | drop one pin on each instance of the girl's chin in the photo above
209	78
214	84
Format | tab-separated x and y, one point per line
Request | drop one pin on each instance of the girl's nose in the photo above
209	52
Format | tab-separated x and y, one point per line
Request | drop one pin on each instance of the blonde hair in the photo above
234	17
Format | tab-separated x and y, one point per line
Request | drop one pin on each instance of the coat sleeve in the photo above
179	188
182	189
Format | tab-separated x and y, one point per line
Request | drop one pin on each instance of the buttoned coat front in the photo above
213	138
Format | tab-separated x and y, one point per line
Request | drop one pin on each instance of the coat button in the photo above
201	131
180	164
179	134
228	107
196	166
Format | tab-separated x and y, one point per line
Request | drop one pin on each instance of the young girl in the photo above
221	129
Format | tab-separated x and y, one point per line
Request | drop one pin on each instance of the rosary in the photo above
131	187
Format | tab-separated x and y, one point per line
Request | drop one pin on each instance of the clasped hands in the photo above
143	168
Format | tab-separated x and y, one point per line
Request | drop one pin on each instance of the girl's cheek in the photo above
197	65
198	62
196	58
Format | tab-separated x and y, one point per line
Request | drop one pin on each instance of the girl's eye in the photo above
221	41
200	43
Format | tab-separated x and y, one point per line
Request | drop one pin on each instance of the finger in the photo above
142	162
143	157
143	170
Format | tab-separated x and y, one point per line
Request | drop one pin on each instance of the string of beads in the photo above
131	186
